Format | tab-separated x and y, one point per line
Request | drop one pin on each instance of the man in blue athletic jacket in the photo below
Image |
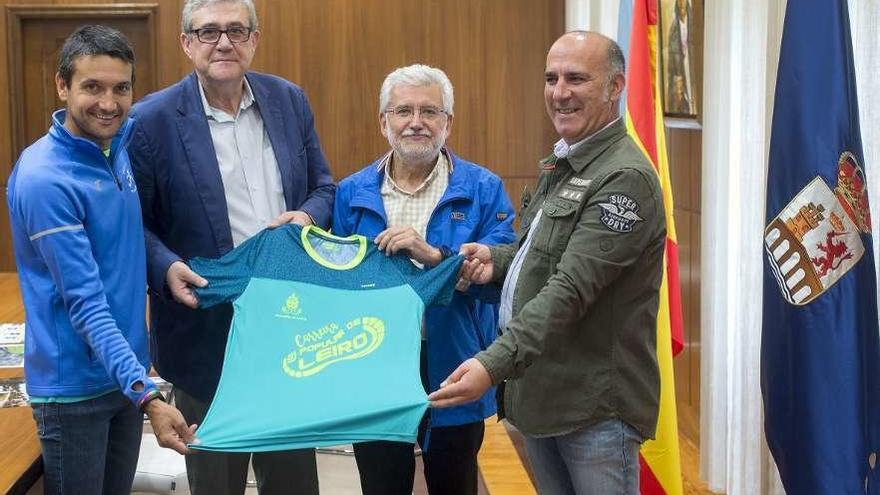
78	239
422	200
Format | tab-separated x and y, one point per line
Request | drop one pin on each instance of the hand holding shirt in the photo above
324	345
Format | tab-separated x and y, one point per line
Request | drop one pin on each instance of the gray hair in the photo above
417	75
616	60
193	5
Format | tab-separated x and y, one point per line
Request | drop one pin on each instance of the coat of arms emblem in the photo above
815	239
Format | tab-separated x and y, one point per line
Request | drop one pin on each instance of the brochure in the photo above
11	345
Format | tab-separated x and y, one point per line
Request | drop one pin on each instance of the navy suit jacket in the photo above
185	213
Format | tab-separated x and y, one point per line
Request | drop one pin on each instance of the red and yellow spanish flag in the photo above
660	460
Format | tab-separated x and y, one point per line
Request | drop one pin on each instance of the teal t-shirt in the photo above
324	343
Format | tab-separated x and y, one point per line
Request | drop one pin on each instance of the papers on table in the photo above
11	345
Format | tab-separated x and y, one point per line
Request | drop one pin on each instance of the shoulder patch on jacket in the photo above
620	213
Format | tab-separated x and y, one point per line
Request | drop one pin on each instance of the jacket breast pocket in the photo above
557	222
453	227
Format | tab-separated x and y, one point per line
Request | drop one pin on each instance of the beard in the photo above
414	152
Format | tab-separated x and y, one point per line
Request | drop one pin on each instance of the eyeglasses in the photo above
238	34
428	114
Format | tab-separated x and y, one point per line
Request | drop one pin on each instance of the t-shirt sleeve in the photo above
227	276
435	285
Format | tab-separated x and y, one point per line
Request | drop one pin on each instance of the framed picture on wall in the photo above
681	45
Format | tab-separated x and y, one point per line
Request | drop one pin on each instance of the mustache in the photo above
415	133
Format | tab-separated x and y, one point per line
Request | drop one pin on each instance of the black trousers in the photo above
387	468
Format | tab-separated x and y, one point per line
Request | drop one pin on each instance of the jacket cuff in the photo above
500	262
142	397
497	363
317	211
158	270
311	218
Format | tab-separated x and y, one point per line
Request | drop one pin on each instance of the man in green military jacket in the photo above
577	350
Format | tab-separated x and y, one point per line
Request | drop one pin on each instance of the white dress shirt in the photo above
251	179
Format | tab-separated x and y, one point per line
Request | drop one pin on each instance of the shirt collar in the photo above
247	99
562	149
443	165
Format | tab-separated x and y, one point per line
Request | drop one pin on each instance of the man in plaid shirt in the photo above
421	200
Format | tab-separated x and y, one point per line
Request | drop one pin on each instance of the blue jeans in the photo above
602	459
89	446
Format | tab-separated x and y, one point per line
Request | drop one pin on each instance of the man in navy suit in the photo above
217	157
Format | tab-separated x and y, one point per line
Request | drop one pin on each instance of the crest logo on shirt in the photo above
816	239
333	343
291	308
620	213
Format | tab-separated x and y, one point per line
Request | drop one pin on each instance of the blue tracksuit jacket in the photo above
79	249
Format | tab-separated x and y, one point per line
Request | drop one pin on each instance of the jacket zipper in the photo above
110	169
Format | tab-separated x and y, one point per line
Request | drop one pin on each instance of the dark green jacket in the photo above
581	346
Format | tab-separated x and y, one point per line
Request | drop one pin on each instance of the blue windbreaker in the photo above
79	249
474	208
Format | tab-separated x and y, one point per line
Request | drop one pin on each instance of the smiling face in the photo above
98	98
417	137
578	94
223	62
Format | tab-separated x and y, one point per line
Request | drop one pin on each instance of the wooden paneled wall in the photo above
340	50
172	64
684	149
